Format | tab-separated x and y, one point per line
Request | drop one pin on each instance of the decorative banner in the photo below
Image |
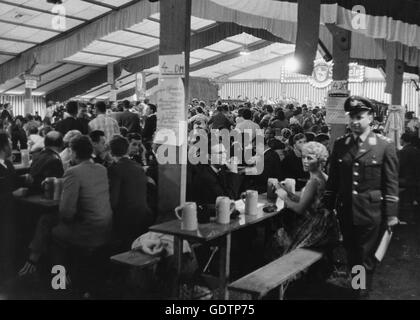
394	125
322	74
172	65
335	103
140	85
171	118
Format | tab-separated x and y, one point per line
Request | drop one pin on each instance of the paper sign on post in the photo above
335	103
172	65
31	84
171	123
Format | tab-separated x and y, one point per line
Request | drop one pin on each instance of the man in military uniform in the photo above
363	186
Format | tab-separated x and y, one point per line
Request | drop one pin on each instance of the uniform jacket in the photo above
363	179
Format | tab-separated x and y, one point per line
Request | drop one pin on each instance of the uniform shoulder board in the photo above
381	136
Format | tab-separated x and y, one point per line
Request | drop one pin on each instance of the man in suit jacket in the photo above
48	162
8	183
218	179
71	122
409	174
363	186
128	192
85	216
292	164
150	124
129	119
219	120
272	164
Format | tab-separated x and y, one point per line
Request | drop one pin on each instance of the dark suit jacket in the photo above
220	121
409	174
128	193
47	163
19	135
71	123
149	127
129	120
207	185
293	168
272	169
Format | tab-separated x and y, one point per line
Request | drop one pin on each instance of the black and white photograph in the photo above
210	156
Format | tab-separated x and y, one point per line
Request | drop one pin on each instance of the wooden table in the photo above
20	168
211	231
40	201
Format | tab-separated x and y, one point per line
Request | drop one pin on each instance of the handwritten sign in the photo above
171	121
172	65
335	103
31	84
339	85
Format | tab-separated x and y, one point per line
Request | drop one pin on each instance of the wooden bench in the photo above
135	258
275	274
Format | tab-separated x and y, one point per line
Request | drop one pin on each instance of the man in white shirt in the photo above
247	123
103	122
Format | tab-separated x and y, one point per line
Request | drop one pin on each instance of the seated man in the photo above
128	190
273	157
136	150
85	216
48	162
217	176
292	163
100	153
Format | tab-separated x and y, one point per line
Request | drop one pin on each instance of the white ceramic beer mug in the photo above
224	207
251	200
188	217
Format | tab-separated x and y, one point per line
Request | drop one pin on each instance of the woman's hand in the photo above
283	185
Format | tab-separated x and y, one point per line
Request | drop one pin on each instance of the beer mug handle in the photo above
243	196
176	212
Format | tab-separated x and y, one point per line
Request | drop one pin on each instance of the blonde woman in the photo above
65	155
305	222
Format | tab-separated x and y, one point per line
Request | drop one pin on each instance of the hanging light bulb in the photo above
244	52
291	64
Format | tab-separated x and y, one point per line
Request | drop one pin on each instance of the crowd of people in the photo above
107	159
106	162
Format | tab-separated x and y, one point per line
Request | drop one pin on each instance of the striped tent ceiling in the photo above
27	25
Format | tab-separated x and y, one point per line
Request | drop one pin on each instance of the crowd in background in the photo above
107	158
